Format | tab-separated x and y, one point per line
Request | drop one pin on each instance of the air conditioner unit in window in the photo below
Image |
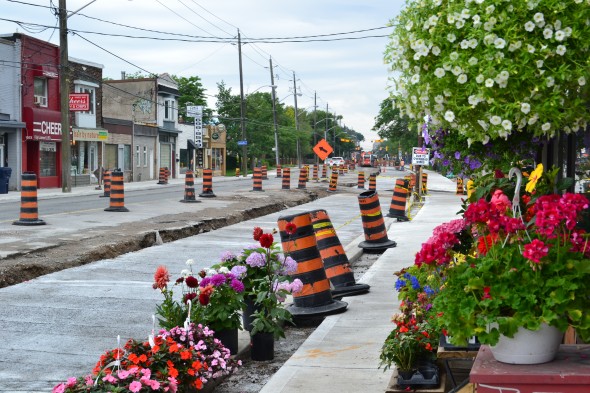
40	100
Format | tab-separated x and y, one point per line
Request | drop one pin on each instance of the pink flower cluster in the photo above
436	249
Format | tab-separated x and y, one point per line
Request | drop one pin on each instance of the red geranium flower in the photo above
257	233
290	228
266	240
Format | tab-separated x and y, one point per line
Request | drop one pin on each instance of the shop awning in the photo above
190	145
12	124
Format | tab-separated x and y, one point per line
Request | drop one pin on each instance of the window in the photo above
169	110
216	158
145	156
40	91
91	96
48	163
137	156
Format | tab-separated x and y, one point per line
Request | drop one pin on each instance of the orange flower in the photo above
197	365
161	278
174	348
185	355
198	384
172	372
133	358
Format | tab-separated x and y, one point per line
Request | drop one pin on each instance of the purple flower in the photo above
239	271
256	259
289	266
237	285
227	256
457	155
205	281
438	154
218	279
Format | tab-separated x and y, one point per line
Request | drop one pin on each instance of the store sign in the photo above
79	102
83	134
420	156
48	146
197	113
42	124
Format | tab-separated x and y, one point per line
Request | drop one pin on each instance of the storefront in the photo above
42	146
10	147
87	151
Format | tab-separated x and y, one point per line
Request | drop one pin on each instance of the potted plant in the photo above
265	271
176	360
213	298
527	271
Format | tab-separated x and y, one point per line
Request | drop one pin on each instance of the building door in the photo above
151	164
2	157
166	156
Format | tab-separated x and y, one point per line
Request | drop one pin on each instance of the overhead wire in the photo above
206	20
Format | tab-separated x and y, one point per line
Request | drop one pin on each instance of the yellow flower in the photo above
533	178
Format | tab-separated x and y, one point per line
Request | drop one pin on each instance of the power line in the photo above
206	20
182	17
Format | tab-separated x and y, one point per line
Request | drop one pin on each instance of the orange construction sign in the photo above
323	149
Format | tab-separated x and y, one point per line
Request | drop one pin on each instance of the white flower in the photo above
190	262
483	124
538	18
499	43
439	72
439	99
560	50
533	120
514	46
473	100
472	61
464	44
504	75
530	48
447	66
479	78
550	81
465	13
223	270
462	78
546	126
507	124
557	24
414	100
529	26
449	116
489	39
547	33
451	37
489	82
457	70
490	9
476	20
525	107
409	25
185	272
439	107
539	63
473	43
415	79
435	50
560	35
454	56
460	23
495	120
581	81
567	31
485	140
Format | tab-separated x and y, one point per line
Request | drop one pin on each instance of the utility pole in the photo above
64	90
315	138
274	114
296	121
326	131
242	114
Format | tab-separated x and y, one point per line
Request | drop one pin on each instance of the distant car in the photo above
334	161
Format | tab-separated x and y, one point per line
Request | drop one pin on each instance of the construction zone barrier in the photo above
360	180
373	224
324	172
189	188
333	182
163	176
264	172
470	188
257	179
412	181
336	263
287	179
315	299
397	208
424	183
279	171
207	184
302	178
315	173
373	182
117	201
29	208
106	185
341	169
237	172
459	186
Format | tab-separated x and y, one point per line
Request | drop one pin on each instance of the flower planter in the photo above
250	309
262	346
472	345
229	339
426	375
529	347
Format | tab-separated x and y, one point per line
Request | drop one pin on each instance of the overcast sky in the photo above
348	75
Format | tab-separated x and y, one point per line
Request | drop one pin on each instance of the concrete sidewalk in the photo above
58	325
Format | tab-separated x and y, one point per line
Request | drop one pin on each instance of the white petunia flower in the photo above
457	70
557	24
439	99
473	43
495	120
439	72
559	35
476	20
460	23
464	44
483	124
546	127
581	81
473	100
539	63
550	81
409	25
525	107
507	124
567	31
472	61
489	82
504	75
414	100
547	33
454	56
479	78
533	120
439	107
435	50
462	79
449	116
560	50
415	79
451	37
490	9
530	48
529	26
538	18
465	13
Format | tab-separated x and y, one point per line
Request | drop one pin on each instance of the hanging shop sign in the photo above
79	102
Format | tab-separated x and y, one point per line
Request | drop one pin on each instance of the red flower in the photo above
484	243
191	282
486	293
204	299
498	174
290	228
257	233
161	277
266	240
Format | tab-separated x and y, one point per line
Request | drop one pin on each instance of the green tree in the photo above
396	129
191	92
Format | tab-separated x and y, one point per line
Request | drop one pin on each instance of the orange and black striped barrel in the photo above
334	168
264	172
307	172
189	188
334	257
373	182
315	298
373	224
345	168
470	188
237	172
287	179
333	182
341	169
397	208
360	180
459	186
324	171
413	182
302	178
106	185
29	208
117	201
257	179
424	183
315	173
162	176
279	171
207	184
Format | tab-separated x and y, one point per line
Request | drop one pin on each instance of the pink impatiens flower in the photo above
135	386
535	250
